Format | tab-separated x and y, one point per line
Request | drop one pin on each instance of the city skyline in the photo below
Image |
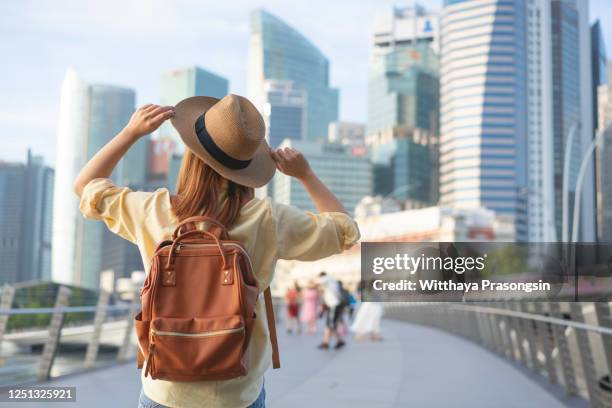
101	55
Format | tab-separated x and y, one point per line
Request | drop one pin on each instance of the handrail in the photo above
536	317
534	335
70	309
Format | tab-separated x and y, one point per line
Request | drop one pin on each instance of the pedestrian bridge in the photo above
414	366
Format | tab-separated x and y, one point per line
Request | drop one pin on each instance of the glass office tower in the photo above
403	105
26	202
516	80
484	99
284	111
279	52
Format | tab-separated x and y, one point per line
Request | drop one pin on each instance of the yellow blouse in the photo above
269	231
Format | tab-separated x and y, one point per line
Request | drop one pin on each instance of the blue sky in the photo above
130	43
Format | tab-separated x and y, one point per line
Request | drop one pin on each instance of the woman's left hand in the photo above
147	119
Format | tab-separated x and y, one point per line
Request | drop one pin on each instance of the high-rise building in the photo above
604	160
405	24
404	167
604	102
511	92
572	110
483	105
599	58
602	164
26	206
403	79
604	187
90	115
284	111
279	52
346	133
349	176
403	105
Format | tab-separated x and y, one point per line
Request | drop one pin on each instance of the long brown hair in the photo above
200	191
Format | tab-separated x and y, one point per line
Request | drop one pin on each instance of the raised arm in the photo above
144	121
292	163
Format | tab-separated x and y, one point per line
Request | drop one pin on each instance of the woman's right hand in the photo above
147	119
291	162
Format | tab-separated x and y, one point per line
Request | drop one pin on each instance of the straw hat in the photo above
229	135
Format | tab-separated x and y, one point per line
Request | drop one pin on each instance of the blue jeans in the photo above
146	402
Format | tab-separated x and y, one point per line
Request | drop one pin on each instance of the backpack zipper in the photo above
200	334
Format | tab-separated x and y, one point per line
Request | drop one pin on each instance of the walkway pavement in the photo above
413	367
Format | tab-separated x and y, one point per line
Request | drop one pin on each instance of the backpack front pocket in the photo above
191	349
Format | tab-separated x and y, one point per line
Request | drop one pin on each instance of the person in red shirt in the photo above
292	299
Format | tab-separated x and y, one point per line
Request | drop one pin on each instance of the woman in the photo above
310	301
292	299
367	320
226	158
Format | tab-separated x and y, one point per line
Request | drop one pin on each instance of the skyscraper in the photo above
349	176
599	59
284	111
483	105
572	109
70	157
511	78
90	115
278	52
179	84
403	105
604	160
26	202
403	78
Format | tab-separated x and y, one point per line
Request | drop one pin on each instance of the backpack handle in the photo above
188	224
192	233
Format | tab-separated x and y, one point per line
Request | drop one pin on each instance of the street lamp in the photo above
579	183
565	188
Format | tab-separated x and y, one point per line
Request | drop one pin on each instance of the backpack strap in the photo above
272	328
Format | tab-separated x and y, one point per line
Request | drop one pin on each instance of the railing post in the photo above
6	302
124	350
55	329
513	326
546	332
94	341
567	365
586	356
497	334
531	335
604	319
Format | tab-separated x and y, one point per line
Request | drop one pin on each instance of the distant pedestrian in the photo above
332	300
310	301
292	299
367	321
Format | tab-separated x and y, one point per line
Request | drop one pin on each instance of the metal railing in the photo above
569	343
103	314
123	314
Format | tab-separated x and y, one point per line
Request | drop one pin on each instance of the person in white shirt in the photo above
333	301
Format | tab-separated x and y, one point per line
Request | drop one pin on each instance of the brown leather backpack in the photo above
198	307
